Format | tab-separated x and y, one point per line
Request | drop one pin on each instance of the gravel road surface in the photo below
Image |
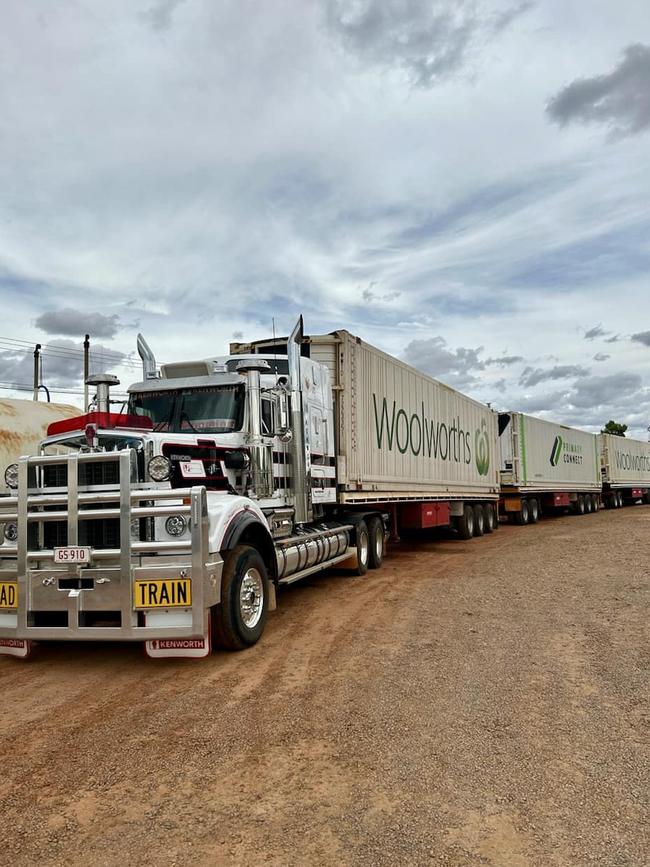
471	703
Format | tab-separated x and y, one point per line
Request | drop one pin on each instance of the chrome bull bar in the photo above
106	585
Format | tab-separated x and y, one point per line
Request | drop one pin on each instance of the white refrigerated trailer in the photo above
546	466
405	443
625	467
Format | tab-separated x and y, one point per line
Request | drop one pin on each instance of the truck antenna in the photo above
275	353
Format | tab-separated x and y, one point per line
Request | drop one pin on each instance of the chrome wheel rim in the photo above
363	549
251	598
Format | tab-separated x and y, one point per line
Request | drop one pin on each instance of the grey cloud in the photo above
238	335
642	337
606	391
505	19
592	400
533	376
369	295
75	322
428	41
454	366
601	356
596	331
504	360
620	99
159	15
613	339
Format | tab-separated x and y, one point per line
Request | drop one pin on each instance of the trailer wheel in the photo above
495	512
646	498
619	499
488	518
465	524
523	515
363	547
589	506
479	520
238	622
377	542
580	505
533	511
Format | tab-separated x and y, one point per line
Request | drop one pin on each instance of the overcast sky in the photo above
463	184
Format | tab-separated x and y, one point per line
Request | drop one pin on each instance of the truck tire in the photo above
646	498
495	509
479	520
523	515
465	524
239	620
619	499
533	511
377	542
488	518
580	505
363	547
589	506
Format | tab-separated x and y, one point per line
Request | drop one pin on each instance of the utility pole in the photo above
37	369
86	369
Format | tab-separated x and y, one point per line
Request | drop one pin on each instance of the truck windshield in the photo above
216	409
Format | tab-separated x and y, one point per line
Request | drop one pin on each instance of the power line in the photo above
68	352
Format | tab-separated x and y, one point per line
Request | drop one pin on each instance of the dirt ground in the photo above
481	702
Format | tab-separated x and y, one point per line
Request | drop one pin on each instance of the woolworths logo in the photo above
628	461
482	451
422	436
569	453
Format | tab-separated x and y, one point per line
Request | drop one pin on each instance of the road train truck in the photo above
547	467
174	521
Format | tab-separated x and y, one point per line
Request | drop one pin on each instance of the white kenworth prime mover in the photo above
174	521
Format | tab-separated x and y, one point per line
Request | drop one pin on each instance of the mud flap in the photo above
181	648
19	647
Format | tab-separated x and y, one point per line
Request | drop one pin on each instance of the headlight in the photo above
11	476
160	468
176	525
11	532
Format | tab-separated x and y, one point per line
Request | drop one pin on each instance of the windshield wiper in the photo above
185	417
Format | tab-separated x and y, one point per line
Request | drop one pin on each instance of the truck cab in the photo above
173	521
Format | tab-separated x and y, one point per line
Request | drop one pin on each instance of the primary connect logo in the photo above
568	452
556	451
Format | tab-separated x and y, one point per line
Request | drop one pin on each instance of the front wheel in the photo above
239	620
377	540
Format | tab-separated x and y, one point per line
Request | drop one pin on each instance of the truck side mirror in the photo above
283	431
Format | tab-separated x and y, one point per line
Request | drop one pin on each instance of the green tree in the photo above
614	428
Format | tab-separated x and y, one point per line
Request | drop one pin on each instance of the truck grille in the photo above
56	475
96	534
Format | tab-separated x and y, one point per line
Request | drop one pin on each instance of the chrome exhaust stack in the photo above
261	454
148	359
300	475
